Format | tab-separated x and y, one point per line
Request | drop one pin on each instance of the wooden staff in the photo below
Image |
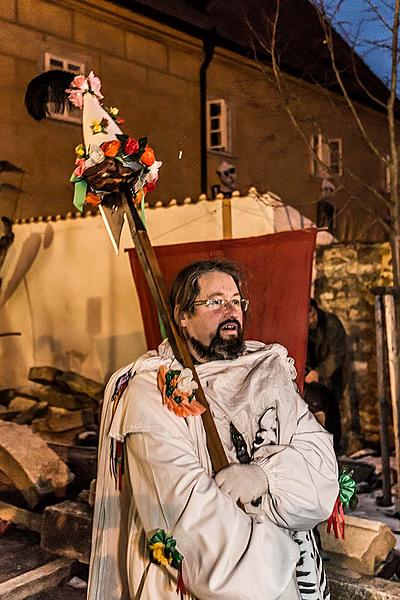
152	271
381	357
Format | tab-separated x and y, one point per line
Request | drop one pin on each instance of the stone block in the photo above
144	50
7	71
345	585
81	385
20	404
59	420
8	9
31	41
46	16
184	64
27	460
44	374
66	530
53	397
99	34
366	545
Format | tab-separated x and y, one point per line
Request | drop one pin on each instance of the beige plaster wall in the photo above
73	299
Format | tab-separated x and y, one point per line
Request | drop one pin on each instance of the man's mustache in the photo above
229	322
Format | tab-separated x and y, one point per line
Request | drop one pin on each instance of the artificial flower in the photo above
185	382
99	125
131	146
80	167
113	111
79	82
177	389
148	157
75	97
96	156
152	174
111	148
95	85
150	186
80	151
92	199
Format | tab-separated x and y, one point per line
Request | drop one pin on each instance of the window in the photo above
218	134
328	152
52	62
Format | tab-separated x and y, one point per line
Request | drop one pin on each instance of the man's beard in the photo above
220	348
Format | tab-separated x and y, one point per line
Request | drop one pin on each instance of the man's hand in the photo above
242	482
312	376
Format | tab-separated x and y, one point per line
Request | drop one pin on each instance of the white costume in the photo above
168	484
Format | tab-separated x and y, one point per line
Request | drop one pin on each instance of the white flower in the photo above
185	382
96	156
152	174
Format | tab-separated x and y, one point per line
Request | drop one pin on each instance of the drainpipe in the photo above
208	48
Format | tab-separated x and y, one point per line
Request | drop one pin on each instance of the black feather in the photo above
49	87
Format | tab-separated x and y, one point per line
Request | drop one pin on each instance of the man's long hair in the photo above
185	288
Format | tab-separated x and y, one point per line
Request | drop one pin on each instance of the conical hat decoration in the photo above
107	156
94	133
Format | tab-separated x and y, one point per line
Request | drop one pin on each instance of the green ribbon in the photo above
170	551
347	488
80	189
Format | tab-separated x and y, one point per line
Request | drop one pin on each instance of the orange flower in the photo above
110	148
177	401
148	157
93	199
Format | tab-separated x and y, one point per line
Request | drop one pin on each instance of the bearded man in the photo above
166	519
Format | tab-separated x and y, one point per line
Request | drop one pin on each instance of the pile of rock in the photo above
62	407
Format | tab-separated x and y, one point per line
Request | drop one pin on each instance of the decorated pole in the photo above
114	172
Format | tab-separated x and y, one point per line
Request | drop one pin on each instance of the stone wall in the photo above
345	274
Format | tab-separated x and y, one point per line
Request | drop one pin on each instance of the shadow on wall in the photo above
29	251
119	350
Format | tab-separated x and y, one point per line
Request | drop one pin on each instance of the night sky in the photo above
368	24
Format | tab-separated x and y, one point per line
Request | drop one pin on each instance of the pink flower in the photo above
75	97
78	81
131	146
80	168
95	84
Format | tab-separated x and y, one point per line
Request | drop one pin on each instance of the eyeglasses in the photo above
219	303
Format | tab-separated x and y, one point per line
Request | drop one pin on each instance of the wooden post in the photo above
383	405
151	268
226	219
394	376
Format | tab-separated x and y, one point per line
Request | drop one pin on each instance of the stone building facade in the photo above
151	71
345	274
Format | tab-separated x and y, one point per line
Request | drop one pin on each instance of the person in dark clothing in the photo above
325	367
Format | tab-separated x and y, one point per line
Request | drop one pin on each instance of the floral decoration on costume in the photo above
124	158
163	551
347	498
177	389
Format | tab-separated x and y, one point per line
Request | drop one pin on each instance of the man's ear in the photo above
180	318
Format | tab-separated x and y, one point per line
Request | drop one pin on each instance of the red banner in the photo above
278	270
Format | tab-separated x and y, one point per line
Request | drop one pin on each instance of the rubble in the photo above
57	405
33	467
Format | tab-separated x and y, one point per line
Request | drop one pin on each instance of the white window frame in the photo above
321	152
222	127
52	62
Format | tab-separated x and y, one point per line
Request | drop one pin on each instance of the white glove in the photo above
242	482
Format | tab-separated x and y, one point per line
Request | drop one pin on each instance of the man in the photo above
326	358
282	465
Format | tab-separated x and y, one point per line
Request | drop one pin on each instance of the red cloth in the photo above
278	270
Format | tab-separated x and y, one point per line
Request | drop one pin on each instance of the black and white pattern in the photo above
310	572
